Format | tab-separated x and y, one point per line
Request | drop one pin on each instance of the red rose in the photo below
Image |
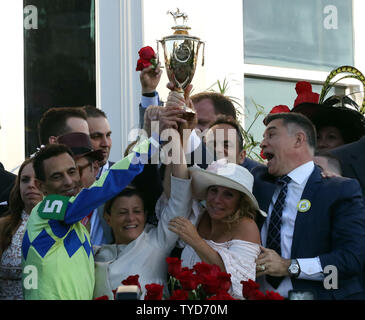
305	94
154	292
141	64
147	57
210	283
174	266
280	108
221	295
202	268
188	280
102	298
187	269
132	281
249	288
302	87
224	281
180	295
257	295
272	295
147	53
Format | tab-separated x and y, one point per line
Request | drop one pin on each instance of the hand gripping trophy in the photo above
181	55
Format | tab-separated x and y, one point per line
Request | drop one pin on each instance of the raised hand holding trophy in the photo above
181	55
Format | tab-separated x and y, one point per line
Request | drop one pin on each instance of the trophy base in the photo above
189	114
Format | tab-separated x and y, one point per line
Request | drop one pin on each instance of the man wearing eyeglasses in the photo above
85	157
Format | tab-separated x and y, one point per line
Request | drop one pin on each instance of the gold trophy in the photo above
181	55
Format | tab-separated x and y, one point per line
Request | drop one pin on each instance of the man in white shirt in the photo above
312	222
100	135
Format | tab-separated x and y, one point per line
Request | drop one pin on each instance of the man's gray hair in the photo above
294	121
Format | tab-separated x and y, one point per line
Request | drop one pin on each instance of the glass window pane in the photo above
306	34
267	94
59	60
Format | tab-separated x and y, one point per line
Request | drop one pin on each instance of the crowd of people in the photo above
87	223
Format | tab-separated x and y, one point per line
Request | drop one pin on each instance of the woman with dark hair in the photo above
23	197
140	247
338	124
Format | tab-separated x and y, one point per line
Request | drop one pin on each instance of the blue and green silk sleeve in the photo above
112	182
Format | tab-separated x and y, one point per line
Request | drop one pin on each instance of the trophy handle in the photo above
203	58
158	50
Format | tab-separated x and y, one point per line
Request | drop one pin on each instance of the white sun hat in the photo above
225	174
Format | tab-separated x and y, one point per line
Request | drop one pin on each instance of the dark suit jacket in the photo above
352	159
333	229
7	180
250	164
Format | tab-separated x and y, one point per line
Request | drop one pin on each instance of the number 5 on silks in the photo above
53	207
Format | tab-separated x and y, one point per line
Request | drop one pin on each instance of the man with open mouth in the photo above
313	223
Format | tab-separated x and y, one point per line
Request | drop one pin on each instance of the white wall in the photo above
118	39
11	85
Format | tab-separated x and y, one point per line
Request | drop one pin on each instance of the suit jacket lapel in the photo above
304	219
271	186
264	189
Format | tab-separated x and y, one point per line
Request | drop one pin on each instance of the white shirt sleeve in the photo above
149	101
179	204
310	269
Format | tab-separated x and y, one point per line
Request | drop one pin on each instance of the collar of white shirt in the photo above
302	173
194	142
104	168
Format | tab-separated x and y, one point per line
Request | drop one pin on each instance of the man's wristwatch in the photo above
294	268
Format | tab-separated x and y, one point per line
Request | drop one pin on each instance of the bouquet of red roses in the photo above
203	282
250	291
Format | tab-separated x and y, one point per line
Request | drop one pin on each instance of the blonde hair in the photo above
246	208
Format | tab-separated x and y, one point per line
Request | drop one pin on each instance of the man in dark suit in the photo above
352	159
312	222
7	180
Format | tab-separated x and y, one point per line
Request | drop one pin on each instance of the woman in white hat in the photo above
224	233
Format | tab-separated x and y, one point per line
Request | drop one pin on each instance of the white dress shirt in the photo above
149	101
310	268
97	236
104	168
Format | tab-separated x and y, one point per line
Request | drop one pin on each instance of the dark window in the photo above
59	60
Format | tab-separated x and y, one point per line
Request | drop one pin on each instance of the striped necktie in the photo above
273	235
